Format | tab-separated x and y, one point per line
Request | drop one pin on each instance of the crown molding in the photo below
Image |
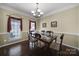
17	11
30	16
59	10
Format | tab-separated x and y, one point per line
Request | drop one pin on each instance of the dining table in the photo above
47	40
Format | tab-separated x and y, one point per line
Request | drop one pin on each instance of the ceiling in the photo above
45	7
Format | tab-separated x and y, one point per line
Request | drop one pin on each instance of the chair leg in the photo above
55	40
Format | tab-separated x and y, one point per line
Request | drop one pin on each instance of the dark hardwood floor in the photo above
22	49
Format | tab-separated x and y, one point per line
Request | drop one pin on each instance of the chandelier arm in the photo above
37	7
37	11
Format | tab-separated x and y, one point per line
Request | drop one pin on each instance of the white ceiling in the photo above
45	7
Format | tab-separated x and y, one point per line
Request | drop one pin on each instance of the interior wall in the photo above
37	24
1	21
4	35
67	23
78	23
78	19
4	16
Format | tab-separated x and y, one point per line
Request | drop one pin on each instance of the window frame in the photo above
9	27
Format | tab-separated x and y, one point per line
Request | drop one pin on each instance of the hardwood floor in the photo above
22	49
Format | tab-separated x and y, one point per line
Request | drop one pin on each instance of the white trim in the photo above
12	9
55	32
59	10
4	33
15	10
69	45
8	32
11	43
69	33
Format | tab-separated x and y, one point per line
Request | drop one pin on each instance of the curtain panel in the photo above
9	23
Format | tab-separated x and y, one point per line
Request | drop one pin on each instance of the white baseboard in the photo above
11	43
69	46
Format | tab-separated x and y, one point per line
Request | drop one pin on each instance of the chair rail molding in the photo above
69	33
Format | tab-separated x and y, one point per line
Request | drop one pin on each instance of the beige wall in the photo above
1	21
78	18
3	24
67	22
37	24
4	18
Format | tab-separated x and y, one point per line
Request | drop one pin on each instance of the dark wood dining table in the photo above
48	40
44	39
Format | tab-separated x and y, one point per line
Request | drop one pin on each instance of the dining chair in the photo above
43	32
61	41
40	44
48	33
32	41
46	40
57	46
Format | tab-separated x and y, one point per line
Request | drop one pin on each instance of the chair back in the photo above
37	35
43	32
61	37
48	33
61	41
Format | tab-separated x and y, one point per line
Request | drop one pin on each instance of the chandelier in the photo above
37	13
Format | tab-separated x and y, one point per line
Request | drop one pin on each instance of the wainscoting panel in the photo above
69	40
5	38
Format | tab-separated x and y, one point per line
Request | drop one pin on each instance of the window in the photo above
15	31
32	25
14	27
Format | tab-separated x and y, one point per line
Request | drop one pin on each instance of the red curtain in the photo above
29	25
9	23
21	24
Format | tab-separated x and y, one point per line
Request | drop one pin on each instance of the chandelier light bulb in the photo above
33	12
41	13
39	10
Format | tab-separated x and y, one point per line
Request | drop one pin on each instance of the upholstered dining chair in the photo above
58	46
33	40
46	40
43	32
40	43
48	33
